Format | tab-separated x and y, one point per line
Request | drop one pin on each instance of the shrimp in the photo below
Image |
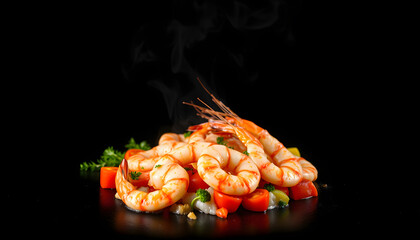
168	178
171	137
287	173
200	132
228	171
230	139
278	153
144	161
275	149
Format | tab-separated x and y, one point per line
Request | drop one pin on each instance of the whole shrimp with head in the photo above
275	162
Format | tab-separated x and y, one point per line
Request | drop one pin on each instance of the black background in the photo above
312	74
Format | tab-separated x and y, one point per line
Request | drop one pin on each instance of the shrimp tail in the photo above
124	169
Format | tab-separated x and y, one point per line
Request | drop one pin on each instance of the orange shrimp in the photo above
168	178
171	137
286	173
228	171
275	149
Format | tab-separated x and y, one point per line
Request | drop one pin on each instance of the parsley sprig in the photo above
111	157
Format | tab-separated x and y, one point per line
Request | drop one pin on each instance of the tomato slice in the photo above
231	203
107	177
256	201
304	189
195	180
131	152
222	212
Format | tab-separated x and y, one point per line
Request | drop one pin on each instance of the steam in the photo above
213	40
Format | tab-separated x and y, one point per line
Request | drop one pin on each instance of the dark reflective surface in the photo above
165	224
299	218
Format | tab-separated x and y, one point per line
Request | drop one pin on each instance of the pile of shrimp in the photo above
225	169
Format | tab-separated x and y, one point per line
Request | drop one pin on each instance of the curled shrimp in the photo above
275	149
287	173
144	161
168	178
228	171
279	154
171	137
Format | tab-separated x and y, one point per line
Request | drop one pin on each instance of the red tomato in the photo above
231	203
256	201
222	212
131	152
107	177
195	181
304	189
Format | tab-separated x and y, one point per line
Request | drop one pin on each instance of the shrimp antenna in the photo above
219	103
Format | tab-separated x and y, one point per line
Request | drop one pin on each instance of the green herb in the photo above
282	204
111	157
202	195
135	175
221	141
158	166
269	187
187	134
246	152
143	145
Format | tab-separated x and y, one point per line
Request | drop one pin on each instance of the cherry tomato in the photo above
107	177
304	189
195	180
256	201
131	152
231	203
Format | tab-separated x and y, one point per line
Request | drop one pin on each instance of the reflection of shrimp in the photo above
275	149
169	178
286	174
242	176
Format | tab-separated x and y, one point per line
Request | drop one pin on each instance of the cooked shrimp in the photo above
200	132
230	139
144	161
286	174
275	149
228	171
171	137
168	178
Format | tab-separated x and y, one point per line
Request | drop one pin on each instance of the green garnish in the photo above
135	175
269	187
111	157
143	145
203	195
187	134
246	152
221	141
158	166
282	204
